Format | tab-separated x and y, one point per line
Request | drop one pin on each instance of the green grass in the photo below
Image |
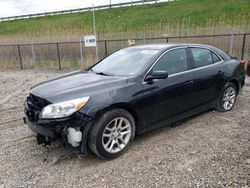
189	13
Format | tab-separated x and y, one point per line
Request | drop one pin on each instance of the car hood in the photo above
76	85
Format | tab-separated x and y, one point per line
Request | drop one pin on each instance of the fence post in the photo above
243	46
144	38
106	47
231	41
20	56
58	55
33	56
81	53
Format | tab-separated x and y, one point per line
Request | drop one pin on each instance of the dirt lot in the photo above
209	150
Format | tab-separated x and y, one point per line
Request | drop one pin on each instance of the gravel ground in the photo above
208	150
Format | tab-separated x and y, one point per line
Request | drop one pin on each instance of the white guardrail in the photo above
131	3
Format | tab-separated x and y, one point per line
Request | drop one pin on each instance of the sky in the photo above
20	7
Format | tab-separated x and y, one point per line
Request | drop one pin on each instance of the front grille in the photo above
36	103
34	106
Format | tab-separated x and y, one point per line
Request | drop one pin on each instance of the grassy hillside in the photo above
187	13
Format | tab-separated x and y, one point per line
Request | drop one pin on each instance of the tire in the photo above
248	68
111	133
227	98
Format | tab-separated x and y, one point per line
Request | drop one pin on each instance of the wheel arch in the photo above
124	106
236	83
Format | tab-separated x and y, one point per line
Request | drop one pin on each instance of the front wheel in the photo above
111	133
227	98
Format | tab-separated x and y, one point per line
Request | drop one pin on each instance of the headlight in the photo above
63	109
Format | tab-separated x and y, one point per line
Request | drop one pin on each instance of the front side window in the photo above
174	61
203	57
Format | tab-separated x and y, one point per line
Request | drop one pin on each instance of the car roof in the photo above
167	46
163	47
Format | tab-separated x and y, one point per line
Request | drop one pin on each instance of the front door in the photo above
165	98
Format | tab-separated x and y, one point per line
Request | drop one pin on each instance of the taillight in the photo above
243	62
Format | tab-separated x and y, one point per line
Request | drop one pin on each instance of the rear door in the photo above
208	73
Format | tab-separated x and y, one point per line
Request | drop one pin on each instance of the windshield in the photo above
125	62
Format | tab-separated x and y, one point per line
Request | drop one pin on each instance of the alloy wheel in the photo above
116	135
229	98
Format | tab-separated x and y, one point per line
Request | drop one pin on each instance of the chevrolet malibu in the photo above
130	92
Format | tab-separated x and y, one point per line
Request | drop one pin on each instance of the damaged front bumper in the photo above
39	129
66	129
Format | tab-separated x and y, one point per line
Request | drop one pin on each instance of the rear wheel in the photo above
248	68
111	133
227	98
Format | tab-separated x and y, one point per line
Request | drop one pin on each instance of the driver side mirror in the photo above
156	75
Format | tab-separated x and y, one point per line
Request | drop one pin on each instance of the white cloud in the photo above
19	7
8	8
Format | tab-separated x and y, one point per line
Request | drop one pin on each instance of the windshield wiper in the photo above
102	73
99	73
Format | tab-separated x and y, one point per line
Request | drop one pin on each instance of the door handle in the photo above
220	73
189	82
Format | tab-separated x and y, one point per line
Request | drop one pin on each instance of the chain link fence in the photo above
74	55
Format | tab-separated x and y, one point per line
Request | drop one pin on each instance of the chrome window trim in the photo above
190	70
180	47
198	68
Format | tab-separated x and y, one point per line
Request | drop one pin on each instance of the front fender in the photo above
96	109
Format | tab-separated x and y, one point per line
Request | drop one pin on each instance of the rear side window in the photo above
174	61
215	57
203	57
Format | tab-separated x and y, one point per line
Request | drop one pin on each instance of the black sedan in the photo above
130	92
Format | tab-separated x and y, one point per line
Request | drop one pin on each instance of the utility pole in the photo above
94	28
